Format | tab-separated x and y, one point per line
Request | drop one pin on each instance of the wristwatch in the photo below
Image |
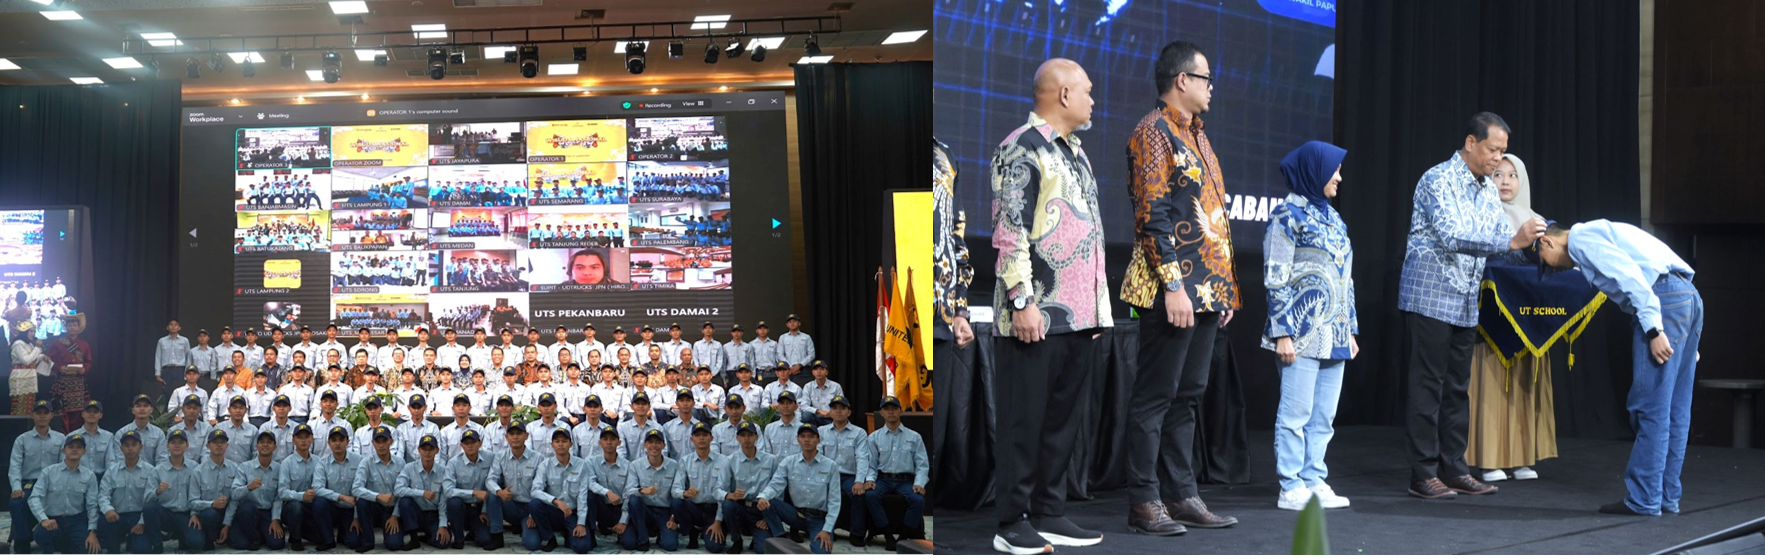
1019	303
1653	333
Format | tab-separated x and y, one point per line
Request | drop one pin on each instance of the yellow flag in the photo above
898	345
921	389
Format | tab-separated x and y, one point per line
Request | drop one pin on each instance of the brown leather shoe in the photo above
1469	486
1193	513
1151	518
1431	488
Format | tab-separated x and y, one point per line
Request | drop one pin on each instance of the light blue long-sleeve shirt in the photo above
796	348
374	476
63	492
295	476
413	480
152	446
180	486
734	355
813	484
762	354
211	480
557	480
241	440
126	489
1624	262
267	495
514	474
197	435
644	475
31	452
702	473
749	474
841	446
333	479
893	451
98	445
469	476
609	477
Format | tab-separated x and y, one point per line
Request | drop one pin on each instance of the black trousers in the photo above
1038	388
1174	364
1439	408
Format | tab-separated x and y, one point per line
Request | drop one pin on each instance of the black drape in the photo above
1563	74
113	149
863	129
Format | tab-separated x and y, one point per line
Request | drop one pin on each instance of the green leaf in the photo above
1309	536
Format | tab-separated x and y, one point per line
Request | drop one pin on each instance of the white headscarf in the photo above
1520	208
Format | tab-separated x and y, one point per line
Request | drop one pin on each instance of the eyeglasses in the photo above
1208	78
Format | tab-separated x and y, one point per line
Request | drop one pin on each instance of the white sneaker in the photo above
1525	473
1328	497
1492	476
1294	499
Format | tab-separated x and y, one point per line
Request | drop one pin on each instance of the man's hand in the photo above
138	529
1178	309
673	525
223	539
857	489
920	489
21	494
276	529
481	495
92	542
648	491
530	523
1026	325
619	528
826	540
162	488
762	525
308	496
1660	349
964	332
391	524
255	484
220	503
763	504
50	525
717	531
564	507
355	526
612	498
428	495
580	531
1354	347
504	494
738	494
384	498
1526	233
1225	317
442	537
346	499
194	522
111	515
1284	350
690	492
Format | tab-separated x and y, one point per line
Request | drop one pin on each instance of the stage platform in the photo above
1555	514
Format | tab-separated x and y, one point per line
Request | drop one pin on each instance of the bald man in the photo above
1053	292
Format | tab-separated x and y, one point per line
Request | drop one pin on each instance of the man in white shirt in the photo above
448	355
671	348
206	359
615	399
444	392
306	346
329	344
589	344
707	351
383	360
611	355
480	354
224	352
542	349
254	354
642	351
299	391
364	341
561	344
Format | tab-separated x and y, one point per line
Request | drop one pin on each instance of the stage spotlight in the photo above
380	60
287	61
711	52
437	63
333	67
529	60
735	49
153	67
812	48
509	56
214	62
456	57
759	53
676	50
248	69
634	57
192	69
579	54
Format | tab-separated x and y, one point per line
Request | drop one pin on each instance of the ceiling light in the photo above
367	55
44	2
437	63
566	69
300	99
735	49
899	37
771	43
493	53
815	59
123	63
653	90
234	100
62	15
214	62
579	54
364	97
86	81
161	39
353	7
7	65
429	30
710	22
241	57
635	55
723	88
812	48
192	69
529	57
711	52
620	48
315	75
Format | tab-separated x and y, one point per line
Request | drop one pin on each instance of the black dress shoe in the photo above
858	539
363	549
692	541
496	542
326	547
296	545
549	546
645	546
1620	508
889	542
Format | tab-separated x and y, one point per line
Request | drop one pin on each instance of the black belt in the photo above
812	512
889	476
748	503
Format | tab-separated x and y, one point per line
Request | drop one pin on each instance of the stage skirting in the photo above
964	465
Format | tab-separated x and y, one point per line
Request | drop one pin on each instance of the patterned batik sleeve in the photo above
1457	224
1017	186
1277	247
1151	167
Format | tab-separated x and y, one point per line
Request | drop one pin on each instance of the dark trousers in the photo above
740	517
373	515
207	535
500	511
332	519
68	537
413	519
648	523
1171	377
857	505
251	528
173	378
602	516
112	535
548	520
913	518
161	522
23	523
782	517
1439	408
1036	428
297	521
696	518
462	517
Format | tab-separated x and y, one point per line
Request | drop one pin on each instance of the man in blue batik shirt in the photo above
1455	223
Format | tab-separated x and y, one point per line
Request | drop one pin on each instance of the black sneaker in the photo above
1060	531
692	541
889	542
549	545
1020	538
1620	508
322	547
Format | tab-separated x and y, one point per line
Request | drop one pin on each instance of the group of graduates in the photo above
374	221
368	270
480	193
492	274
704	186
474	227
676	147
283	192
591	191
285	233
398	193
313	156
604	235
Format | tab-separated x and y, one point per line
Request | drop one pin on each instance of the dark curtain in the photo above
863	129
1409	76
113	149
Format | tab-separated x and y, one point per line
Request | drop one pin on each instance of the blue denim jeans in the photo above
1660	400
1303	423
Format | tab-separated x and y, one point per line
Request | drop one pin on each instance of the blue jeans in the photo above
69	536
1660	400
648	522
23	526
781	517
548	519
739	517
696	518
412	519
373	516
497	511
251	528
1303	422
112	535
463	517
913	518
333	518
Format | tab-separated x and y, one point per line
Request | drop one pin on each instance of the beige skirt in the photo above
1513	419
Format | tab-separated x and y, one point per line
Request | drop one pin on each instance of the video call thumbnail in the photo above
578	184
466	311
479	228
485	271
379	313
380	188
577	226
471	186
695	138
21	237
576	141
283	148
581	269
390	145
680	224
382	272
281	232
476	143
353	230
681	267
282	189
675	182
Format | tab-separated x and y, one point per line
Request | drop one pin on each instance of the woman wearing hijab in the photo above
1513	419
1312	323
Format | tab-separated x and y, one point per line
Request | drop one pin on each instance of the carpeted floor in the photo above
1554	514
